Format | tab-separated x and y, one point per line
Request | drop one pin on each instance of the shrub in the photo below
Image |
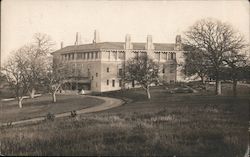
50	116
73	114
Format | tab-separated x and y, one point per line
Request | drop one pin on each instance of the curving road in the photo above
108	103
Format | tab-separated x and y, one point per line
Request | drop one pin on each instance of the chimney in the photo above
96	37
178	42
128	44
178	39
79	39
61	45
149	44
76	42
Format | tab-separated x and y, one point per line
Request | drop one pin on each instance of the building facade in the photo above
99	66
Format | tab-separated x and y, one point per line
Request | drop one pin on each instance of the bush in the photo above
50	116
73	114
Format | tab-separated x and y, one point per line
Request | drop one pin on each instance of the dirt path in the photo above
108	103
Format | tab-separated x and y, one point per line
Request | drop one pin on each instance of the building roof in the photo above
115	45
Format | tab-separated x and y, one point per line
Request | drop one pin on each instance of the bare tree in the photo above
44	44
142	70
37	55
16	73
214	38
56	75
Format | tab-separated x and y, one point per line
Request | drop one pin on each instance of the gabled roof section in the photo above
114	45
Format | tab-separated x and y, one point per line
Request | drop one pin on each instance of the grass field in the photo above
41	106
194	124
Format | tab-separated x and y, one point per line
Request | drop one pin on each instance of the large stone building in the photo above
98	66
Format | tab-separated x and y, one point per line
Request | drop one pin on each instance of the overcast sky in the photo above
20	19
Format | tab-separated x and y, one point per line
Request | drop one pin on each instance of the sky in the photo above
61	19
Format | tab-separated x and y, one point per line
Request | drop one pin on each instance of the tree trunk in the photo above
218	87
32	93
54	97
202	80
148	93
234	87
20	99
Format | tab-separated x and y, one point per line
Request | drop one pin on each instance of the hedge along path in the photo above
108	104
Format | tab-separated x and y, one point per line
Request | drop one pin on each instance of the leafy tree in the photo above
235	63
2	79
213	39
195	63
143	70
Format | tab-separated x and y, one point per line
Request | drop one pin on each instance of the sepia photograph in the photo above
150	78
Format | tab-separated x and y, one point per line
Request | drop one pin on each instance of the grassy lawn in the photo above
6	93
194	124
40	106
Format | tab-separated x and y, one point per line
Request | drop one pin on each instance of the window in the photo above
163	70
136	54
121	55
172	68
84	55
114	54
108	69
120	83
96	84
92	55
107	82
172	56
92	77
96	74
133	83
120	72
87	55
88	73
78	56
164	56
113	83
169	56
96	55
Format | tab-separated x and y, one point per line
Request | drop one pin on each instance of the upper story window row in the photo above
157	55
165	56
81	56
113	55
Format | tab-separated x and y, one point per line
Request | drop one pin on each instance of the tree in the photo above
37	54
57	74
235	63
16	74
142	70
2	79
213	39
195	63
